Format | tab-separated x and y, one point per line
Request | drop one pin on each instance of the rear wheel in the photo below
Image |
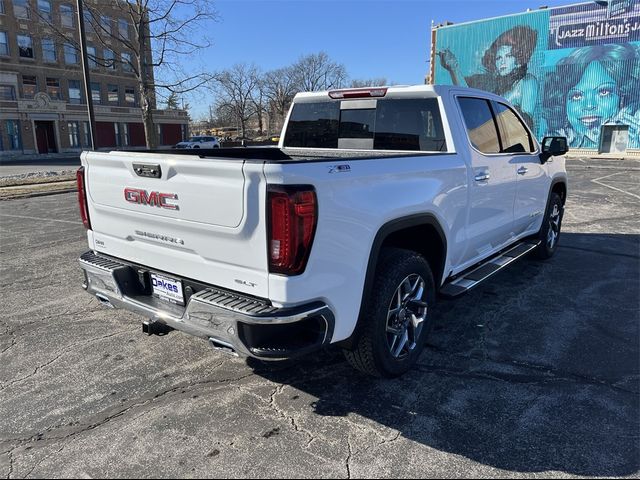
550	230
396	318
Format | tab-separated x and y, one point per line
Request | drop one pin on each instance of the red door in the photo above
45	137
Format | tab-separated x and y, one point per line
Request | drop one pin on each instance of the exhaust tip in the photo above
223	347
104	300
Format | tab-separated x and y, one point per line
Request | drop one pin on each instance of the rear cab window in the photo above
411	124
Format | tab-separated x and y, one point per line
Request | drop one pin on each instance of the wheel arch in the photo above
418	233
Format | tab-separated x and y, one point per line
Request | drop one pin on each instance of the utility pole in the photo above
85	72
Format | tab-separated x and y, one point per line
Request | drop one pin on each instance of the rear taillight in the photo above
82	198
293	215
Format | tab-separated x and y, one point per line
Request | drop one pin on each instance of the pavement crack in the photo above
10	465
347	462
61	354
42	460
272	404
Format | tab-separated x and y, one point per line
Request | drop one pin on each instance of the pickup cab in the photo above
376	202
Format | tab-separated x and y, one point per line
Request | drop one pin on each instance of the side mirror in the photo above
552	146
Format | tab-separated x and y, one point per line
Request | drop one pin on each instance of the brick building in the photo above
42	100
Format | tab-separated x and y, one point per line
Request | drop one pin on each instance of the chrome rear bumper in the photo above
250	326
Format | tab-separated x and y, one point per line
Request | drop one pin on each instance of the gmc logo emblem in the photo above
153	199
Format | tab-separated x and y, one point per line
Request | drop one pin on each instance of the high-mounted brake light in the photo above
82	198
293	215
358	93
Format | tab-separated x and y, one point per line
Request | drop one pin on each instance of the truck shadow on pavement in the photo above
535	371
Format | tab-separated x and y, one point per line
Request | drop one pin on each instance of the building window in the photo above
88	20
92	56
105	24
74	92
95	92
112	94
66	16
109	59
130	95
29	86
74	134
70	54
44	10
1	13
4	43
53	88
25	46
123	29
7	92
13	132
49	50
126	62
21	9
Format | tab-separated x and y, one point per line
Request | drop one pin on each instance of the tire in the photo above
386	322
549	233
197	146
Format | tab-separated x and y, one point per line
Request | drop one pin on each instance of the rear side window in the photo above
515	137
480	124
395	124
313	125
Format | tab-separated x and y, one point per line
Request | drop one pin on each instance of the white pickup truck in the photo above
376	202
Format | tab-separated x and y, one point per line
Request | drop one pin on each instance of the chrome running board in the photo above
479	273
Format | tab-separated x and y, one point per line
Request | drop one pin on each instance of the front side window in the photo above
66	16
7	92
29	86
481	125
4	43
13	132
515	137
112	96
49	50
53	88
74	91
21	9
25	46
44	10
74	134
70	54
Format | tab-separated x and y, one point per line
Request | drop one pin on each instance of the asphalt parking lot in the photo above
535	373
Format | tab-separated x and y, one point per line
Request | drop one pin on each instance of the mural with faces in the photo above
568	70
596	81
500	56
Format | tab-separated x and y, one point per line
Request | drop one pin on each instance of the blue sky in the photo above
372	38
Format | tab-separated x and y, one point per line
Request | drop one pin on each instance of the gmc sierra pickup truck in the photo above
376	202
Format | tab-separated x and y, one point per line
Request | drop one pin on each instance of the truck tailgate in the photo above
198	219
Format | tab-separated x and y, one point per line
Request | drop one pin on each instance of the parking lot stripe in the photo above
597	180
40	219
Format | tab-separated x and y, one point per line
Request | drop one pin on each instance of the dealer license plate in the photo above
167	289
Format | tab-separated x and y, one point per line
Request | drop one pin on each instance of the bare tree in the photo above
318	72
280	88
171	29
369	82
235	88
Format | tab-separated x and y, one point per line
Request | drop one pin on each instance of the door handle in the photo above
482	177
522	170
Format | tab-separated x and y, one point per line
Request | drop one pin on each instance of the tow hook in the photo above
153	327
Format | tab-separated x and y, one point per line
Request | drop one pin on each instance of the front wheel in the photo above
550	230
396	317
